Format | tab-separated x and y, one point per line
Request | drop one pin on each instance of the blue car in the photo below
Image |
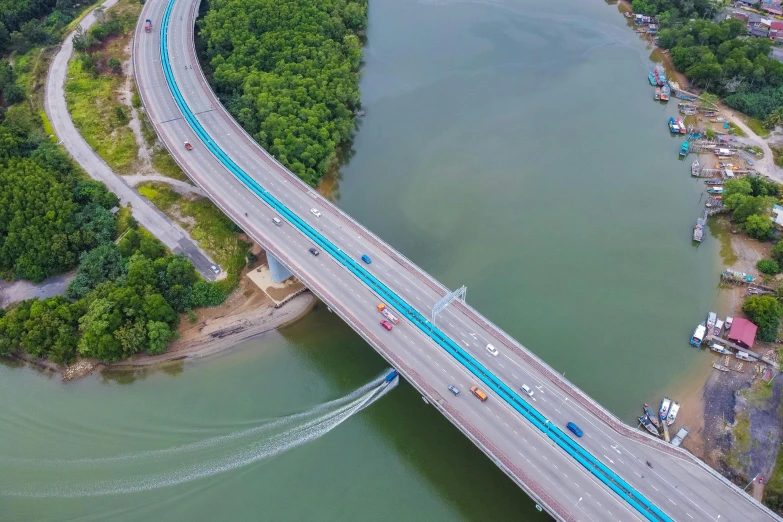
574	429
366	259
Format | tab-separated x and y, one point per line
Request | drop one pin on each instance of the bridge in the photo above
601	476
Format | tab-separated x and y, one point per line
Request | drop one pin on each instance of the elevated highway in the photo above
602	476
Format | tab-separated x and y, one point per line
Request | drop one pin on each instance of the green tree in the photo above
759	227
103	263
159	334
768	266
764	312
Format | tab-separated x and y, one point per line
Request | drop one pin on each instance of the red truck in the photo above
148	25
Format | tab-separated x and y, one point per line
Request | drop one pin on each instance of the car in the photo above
492	350
381	307
215	269
527	390
386	324
479	394
366	259
573	428
453	389
277	221
315	212
314	251
188	146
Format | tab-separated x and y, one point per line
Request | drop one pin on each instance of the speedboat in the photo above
651	414
652	78
718	348
665	403
718	327
727	324
672	413
712	317
648	425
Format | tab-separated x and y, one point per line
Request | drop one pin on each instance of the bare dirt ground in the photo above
15	291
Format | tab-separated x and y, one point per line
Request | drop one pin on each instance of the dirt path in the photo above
765	165
181	187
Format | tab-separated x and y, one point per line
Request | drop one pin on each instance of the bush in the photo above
768	266
764	311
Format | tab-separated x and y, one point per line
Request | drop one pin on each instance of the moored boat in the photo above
648	425
657	95
653	80
715	190
727	324
720	367
664	411
717	329
695	168
651	414
718	348
677	440
711	318
665	92
685	148
698	335
675	407
713	182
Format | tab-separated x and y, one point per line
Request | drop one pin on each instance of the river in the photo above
511	146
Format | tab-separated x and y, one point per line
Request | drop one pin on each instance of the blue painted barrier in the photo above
558	436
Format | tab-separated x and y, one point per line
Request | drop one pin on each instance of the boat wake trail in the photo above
76	478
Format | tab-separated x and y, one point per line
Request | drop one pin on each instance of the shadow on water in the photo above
129	376
456	468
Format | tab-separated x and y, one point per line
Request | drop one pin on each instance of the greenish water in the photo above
511	146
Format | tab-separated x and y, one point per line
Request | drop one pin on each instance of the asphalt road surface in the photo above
680	485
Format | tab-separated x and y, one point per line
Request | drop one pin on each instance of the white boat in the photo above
677	440
718	327
715	347
743	356
698	335
672	413
711	318
727	324
664	411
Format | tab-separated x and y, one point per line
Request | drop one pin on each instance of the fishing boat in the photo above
727	323
627	14
652	78
664	411
719	348
711	318
672	413
715	190
665	92
651	414
720	367
718	327
683	129
684	148
714	182
674	125
698	231
644	421
657	95
698	335
660	77
677	440
695	168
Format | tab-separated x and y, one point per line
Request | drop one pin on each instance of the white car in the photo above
527	390
492	350
215	269
315	212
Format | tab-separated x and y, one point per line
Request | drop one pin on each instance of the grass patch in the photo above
165	164
758	127
47	126
160	195
741	444
124	216
92	104
777	156
736	131
759	393
207	225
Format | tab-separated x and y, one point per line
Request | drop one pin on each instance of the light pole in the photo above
563	403
751	482
576	504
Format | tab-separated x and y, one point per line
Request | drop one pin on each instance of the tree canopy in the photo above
288	70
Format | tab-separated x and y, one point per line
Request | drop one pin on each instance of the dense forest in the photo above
720	57
27	23
288	70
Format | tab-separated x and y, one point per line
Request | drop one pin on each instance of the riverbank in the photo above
246	314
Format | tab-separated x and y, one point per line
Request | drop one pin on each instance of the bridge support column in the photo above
278	272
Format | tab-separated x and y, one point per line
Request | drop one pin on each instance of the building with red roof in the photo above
743	332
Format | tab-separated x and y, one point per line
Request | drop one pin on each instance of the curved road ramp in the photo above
600	476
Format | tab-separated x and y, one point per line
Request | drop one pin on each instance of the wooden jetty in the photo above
665	431
721	173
